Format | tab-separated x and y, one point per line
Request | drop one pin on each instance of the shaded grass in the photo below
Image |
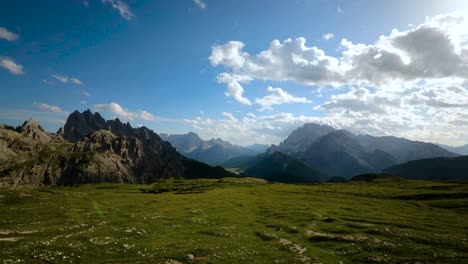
237	220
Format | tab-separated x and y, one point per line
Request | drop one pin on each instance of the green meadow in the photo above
237	220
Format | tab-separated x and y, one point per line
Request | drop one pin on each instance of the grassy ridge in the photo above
237	221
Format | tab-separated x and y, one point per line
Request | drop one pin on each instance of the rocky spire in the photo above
79	125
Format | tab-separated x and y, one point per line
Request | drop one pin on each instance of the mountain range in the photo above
213	151
462	150
90	149
340	153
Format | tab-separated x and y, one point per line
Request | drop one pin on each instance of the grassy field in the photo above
237	221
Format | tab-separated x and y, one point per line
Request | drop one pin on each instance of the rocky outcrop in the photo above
32	129
116	152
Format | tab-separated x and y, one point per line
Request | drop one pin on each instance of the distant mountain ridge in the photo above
341	153
213	151
92	150
432	169
462	150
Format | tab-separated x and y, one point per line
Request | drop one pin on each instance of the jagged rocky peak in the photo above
118	128
31	128
79	125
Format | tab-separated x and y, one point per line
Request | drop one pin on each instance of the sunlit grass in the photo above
237	221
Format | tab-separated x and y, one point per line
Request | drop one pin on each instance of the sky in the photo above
244	71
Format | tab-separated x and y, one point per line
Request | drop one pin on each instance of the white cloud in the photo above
61	78
200	3
10	65
8	35
234	87
123	113
85	93
229	116
123	8
291	60
76	81
277	97
229	55
328	36
437	48
66	79
431	110
50	108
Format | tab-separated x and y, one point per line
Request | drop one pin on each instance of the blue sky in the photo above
153	63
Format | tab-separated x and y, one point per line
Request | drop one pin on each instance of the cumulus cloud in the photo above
11	66
291	60
123	8
234	87
123	113
328	36
66	79
8	35
200	3
277	97
50	108
437	48
229	55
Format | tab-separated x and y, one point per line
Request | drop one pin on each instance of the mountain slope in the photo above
260	148
240	162
462	150
403	149
301	138
339	154
279	167
432	169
